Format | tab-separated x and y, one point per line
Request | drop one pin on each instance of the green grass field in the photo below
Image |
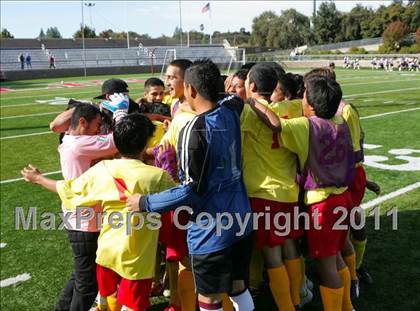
388	102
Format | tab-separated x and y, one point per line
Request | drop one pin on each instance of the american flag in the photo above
206	8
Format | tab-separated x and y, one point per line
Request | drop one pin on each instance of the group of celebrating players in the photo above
253	152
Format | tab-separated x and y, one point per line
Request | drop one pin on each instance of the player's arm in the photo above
373	186
61	123
266	115
190	191
31	174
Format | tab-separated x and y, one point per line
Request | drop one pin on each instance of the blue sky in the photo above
24	19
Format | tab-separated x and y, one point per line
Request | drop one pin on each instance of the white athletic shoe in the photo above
306	299
167	293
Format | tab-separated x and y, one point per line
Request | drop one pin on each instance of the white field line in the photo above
390	195
30	115
19	105
46	95
3	245
387	113
376	82
26	135
8	181
17	279
382	92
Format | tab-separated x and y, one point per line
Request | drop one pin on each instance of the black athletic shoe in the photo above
354	289
364	275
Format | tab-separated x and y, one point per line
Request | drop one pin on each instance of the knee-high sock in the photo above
226	303
294	270
345	279
186	290
332	298
112	304
242	301
210	306
359	249
256	269
351	264
280	288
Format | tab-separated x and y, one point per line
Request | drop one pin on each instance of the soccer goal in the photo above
170	55
236	58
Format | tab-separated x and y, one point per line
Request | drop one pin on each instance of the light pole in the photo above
90	5
83	39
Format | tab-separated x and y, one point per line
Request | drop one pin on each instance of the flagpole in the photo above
211	26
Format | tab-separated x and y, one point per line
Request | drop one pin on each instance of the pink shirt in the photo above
77	154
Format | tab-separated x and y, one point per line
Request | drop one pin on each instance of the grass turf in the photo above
392	256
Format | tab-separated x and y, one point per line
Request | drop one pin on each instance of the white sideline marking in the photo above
18	105
389	102
376	82
390	195
382	92
17	279
3	245
371	146
25	135
7	181
387	113
30	115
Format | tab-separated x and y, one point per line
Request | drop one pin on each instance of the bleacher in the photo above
108	57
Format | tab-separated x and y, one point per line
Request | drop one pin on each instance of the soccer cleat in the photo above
364	275
354	289
306	298
309	284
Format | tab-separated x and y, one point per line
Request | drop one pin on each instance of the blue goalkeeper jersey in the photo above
209	153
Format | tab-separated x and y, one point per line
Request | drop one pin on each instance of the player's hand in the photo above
31	174
132	203
373	186
118	104
163	147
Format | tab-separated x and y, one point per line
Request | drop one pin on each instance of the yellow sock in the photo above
332	298
101	306
280	288
345	279
227	304
359	249
112	303
351	264
186	290
294	270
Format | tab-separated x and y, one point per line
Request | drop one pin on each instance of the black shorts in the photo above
215	272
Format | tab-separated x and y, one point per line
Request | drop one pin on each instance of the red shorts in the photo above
325	240
174	238
273	232
133	294
357	190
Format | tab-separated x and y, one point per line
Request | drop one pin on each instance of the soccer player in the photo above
237	85
270	179
322	142
211	182
126	256
154	91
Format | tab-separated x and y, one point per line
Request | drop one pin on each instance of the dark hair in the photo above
131	134
156	108
324	95
241	74
288	85
182	64
322	71
300	85
264	77
248	66
153	82
205	77
87	111
277	68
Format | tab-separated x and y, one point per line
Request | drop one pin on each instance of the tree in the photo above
261	26
6	34
395	33
107	34
88	32
41	34
418	35
355	22
327	22
53	33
